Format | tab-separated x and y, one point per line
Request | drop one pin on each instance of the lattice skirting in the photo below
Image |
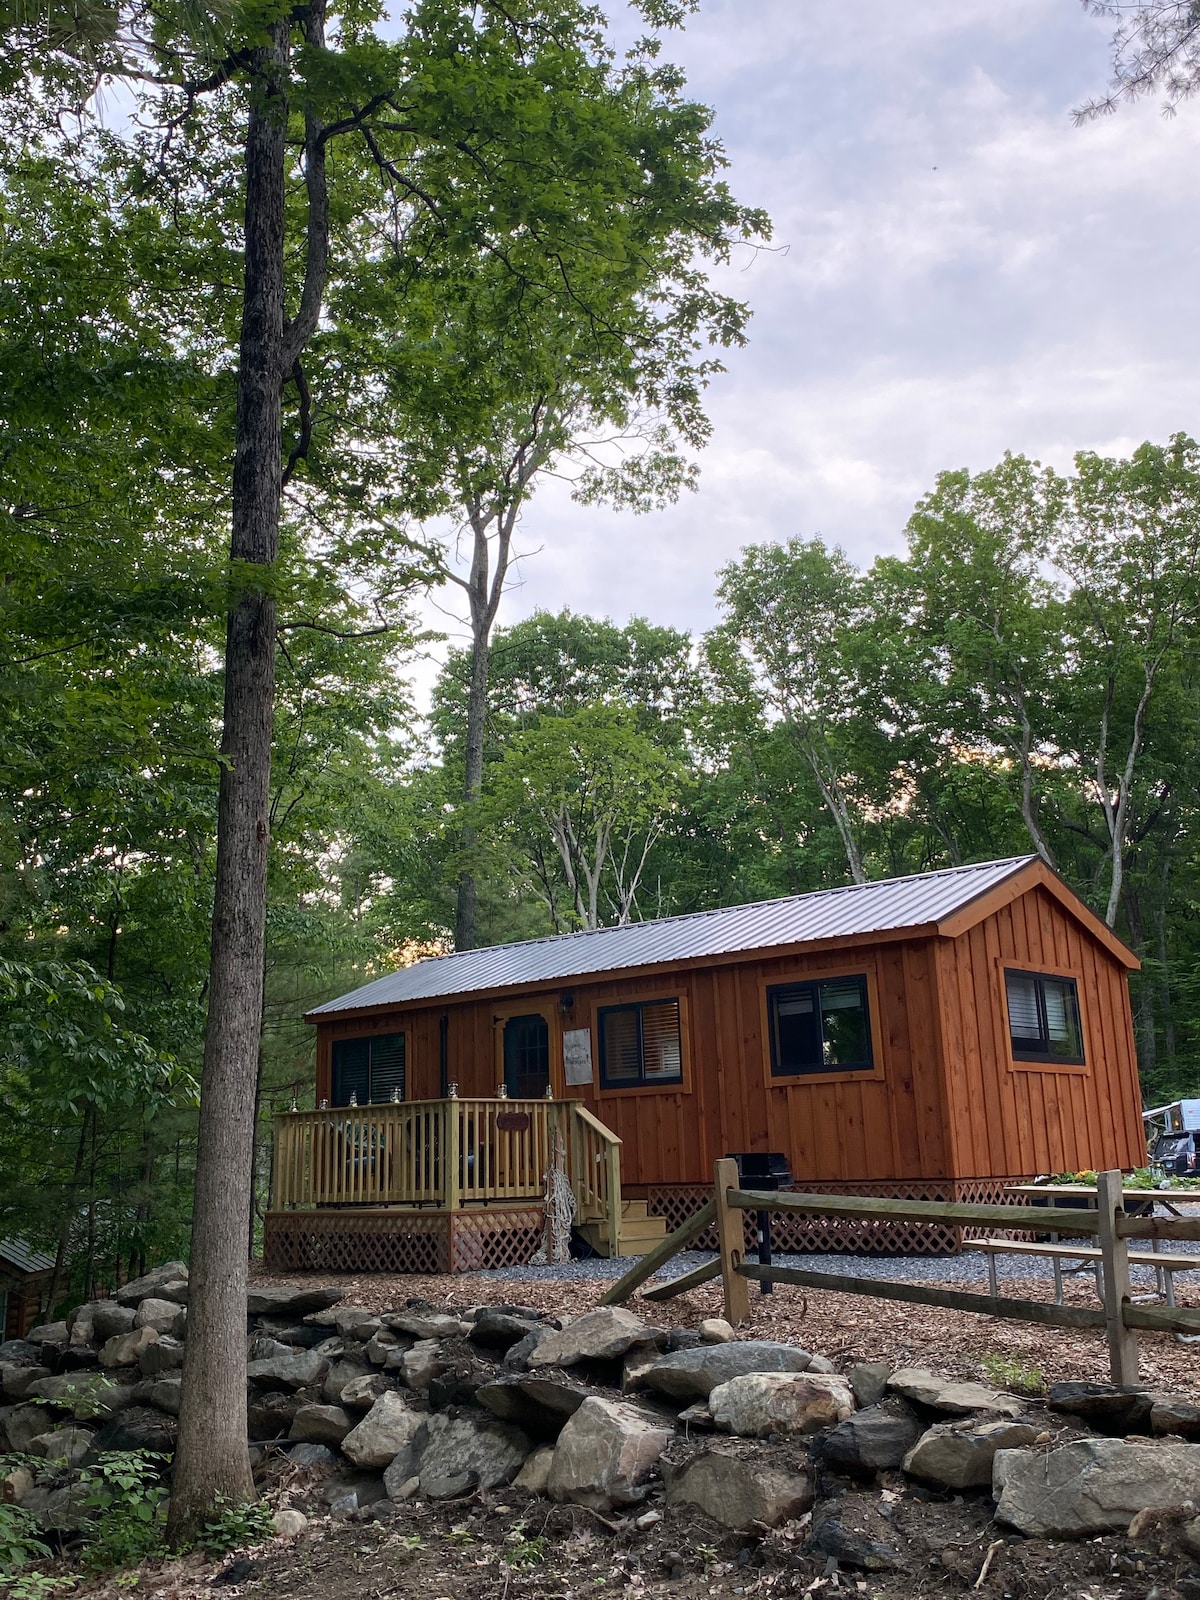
426	1242
846	1235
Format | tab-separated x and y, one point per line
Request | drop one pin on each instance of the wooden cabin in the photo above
25	1275
938	1036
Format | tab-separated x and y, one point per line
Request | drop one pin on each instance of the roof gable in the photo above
945	902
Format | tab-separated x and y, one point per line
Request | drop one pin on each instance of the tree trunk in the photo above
467	905
212	1459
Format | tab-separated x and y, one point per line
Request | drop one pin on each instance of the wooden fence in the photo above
1109	1223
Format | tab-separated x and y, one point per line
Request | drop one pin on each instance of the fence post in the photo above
452	1145
731	1231
1114	1252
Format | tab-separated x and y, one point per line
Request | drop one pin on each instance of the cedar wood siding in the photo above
852	1126
1014	1119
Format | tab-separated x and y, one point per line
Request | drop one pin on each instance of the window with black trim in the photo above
1043	1018
822	1026
369	1069
640	1045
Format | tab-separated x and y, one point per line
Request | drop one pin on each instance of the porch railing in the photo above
445	1154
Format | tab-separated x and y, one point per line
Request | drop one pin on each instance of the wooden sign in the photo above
512	1121
577	1055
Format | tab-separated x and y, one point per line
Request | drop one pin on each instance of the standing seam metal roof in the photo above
20	1253
881	907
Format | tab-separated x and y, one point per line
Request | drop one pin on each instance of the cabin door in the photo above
526	1053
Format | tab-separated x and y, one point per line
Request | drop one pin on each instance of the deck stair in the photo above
638	1233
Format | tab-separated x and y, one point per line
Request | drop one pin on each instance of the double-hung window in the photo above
1043	1018
821	1026
640	1045
369	1069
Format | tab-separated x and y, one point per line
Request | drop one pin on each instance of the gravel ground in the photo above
968	1268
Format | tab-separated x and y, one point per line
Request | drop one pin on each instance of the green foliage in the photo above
19	1542
37	1586
235	1526
125	1491
1010	1372
522	1551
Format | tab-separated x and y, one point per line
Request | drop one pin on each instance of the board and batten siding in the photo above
1023	1118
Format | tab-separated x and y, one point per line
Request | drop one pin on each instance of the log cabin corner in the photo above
939	1036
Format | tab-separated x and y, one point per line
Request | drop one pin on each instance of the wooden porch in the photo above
435	1186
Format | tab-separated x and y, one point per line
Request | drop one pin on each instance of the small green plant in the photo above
235	1526
123	1488
19	1543
37	1586
1009	1372
523	1552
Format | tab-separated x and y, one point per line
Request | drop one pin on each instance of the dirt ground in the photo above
504	1545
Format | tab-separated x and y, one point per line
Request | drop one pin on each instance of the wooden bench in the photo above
1165	1263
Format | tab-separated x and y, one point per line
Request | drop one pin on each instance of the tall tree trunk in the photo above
466	909
212	1459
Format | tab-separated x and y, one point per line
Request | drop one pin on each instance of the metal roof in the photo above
20	1253
882	907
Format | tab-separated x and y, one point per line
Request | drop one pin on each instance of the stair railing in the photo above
594	1168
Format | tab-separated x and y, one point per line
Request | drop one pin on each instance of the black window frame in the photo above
641	1081
821	1068
370	1040
1024	1052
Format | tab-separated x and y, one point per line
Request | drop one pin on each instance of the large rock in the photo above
290	1302
761	1403
383	1433
66	1446
865	1546
55	1334
539	1403
109	1319
133	1293
161	1315
927	1389
360	1394
739	1491
535	1474
693	1374
136	1428
1106	1407
60	1510
165	1356
868	1380
380	1345
1173	1414
467	1452
500	1330
423	1324
1091	1486
270	1416
604	1453
15	1381
959	1455
298	1369
23	1424
320	1425
340	1374
164	1394
21	1351
871	1441
125	1349
516	1357
605	1334
426	1360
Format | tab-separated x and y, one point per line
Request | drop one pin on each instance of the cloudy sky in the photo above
958	271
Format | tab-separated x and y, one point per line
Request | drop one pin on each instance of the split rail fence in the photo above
1109	1222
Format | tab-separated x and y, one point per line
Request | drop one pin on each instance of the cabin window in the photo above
1043	1018
369	1069
640	1045
823	1026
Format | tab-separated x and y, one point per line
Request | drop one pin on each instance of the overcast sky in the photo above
958	271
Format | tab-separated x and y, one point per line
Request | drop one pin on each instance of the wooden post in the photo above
612	1156
731	1232
452	1145
1122	1340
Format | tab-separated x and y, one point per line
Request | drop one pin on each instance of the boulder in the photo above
383	1433
959	1455
265	1348
683	1339
15	1380
164	1394
67	1446
535	1474
270	1416
160	1315
485	1453
864	1548
380	1345
694	1373
289	1523
136	1428
60	1510
1106	1407
500	1330
423	1325
1173	1414
360	1394
538	1403
516	1357
320	1425
294	1303
761	1403
871	1441
339	1375
125	1349
109	1319
716	1330
604	1453
60	1392
605	1334
165	1356
23	1424
82	1324
133	1293
310	1456
868	1381
637	1364
927	1389
422	1364
15	1485
55	1334
1091	1486
739	1491
21	1353
298	1369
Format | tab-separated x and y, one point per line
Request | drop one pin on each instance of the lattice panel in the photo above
845	1235
405	1242
486	1240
